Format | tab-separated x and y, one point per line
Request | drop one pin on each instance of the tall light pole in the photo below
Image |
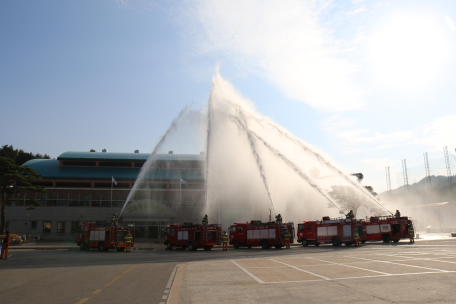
270	214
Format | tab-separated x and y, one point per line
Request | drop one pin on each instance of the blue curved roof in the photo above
50	169
115	156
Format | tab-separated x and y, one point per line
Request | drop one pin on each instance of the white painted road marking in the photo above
353	267
314	274
247	272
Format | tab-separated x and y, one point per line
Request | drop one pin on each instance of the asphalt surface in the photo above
72	276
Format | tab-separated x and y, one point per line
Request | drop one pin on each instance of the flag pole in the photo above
180	191
112	182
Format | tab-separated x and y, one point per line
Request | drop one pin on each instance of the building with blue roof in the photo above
80	188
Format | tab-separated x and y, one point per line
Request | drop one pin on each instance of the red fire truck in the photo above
387	228
335	231
261	234
193	236
103	236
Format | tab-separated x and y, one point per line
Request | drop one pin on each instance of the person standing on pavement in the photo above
411	233
356	237
6	242
225	241
286	236
127	239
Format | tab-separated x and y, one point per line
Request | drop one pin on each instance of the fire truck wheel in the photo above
317	244
386	238
236	245
81	247
305	243
336	241
250	246
207	248
120	249
169	246
265	244
363	241
396	241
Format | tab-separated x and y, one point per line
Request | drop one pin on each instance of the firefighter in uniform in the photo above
225	241
114	220
127	239
205	221
279	219
6	242
398	214
411	233
356	237
350	215
286	236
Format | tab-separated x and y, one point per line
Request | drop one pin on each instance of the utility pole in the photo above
448	166
426	168
388	180
404	173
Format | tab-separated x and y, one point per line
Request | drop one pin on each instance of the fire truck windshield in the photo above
121	235
232	229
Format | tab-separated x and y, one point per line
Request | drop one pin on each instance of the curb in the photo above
174	297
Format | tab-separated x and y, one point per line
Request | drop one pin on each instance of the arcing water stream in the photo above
249	160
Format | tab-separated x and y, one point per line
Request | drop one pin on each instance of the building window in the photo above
60	227
108	185
138	165
46	227
34	225
73	184
114	164
79	163
44	184
74	227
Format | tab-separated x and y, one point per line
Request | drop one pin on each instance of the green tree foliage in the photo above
92	150
19	156
349	198
13	179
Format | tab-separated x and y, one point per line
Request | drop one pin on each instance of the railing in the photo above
98	203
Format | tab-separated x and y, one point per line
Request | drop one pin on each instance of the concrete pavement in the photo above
368	274
375	273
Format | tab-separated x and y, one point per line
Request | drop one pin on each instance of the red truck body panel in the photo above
257	233
335	231
387	228
193	236
103	236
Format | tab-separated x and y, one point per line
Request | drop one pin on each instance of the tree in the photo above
371	190
92	150
350	198
19	156
13	179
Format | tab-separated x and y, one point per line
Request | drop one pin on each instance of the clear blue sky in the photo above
368	82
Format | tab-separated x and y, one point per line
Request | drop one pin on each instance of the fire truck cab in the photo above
193	236
261	234
103	236
335	231
387	228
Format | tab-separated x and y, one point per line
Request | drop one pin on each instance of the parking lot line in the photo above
247	272
317	275
403	264
345	265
